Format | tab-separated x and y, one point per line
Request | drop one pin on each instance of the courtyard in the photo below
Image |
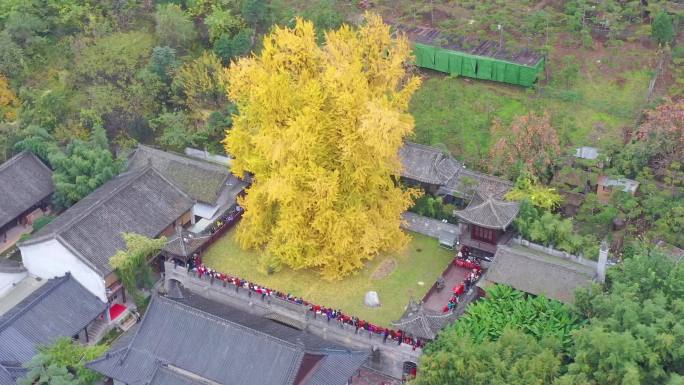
395	277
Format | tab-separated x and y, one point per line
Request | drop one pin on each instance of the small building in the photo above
88	234
485	223
25	191
211	185
61	307
442	175
200	341
423	323
607	185
584	152
541	273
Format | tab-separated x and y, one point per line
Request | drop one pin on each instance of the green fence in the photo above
478	67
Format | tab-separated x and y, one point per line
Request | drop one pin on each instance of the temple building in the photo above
25	191
60	307
485	223
84	237
194	340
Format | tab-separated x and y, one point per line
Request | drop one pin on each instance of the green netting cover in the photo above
469	67
499	72
484	68
442	60
455	63
511	73
425	55
460	63
527	76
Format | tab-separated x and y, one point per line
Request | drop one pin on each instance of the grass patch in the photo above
457	112
422	261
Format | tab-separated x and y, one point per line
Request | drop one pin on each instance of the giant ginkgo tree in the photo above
319	128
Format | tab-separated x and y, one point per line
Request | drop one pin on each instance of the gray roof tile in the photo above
24	181
201	180
218	343
431	165
489	212
142	202
538	273
61	307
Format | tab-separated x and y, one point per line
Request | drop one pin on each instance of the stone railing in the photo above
387	356
551	251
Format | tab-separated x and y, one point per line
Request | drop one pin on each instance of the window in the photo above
483	234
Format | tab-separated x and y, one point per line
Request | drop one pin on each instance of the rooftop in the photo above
142	202
48	313
24	181
489	212
585	152
423	323
538	273
201	180
431	165
624	184
188	335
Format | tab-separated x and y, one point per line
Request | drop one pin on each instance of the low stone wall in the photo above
386	357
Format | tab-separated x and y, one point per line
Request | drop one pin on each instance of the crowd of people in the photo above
227	219
316	311
464	260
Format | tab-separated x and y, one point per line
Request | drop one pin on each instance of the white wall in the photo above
204	210
8	280
50	259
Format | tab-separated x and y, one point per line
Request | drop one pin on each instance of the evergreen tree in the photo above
662	29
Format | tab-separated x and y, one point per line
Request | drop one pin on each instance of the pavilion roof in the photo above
489	212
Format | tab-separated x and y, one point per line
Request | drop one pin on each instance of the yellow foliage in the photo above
320	128
9	103
201	80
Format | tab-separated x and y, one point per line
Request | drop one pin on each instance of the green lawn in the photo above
422	261
457	112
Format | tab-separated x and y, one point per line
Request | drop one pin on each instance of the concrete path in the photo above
13	236
436	300
427	226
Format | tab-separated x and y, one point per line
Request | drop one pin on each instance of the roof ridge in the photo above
57	283
494	211
187	159
231	323
12	160
547	262
88	210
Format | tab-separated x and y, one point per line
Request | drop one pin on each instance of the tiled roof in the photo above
166	376
423	323
489	212
61	307
431	165
142	202
202	180
184	244
240	348
24	181
538	273
5	377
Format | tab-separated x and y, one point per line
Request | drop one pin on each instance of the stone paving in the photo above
427	226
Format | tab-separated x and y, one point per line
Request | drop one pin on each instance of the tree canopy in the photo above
63	363
131	264
319	127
